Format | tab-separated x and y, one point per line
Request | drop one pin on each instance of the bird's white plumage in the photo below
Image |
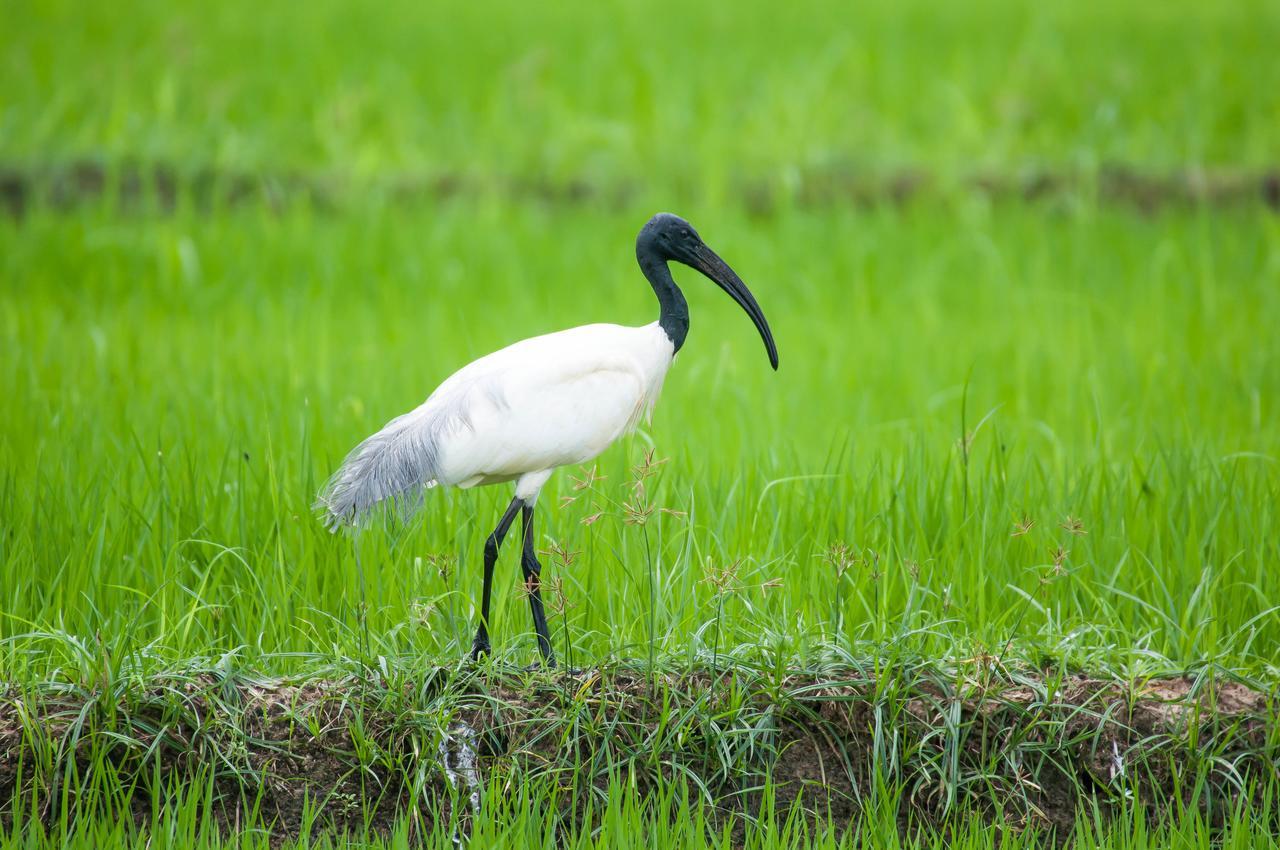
517	414
550	401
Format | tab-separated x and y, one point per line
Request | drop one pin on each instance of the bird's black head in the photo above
671	238
667	237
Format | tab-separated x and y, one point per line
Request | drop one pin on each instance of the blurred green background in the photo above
664	95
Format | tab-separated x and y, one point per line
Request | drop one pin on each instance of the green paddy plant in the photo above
1175	574
1049	573
635	508
216	276
725	583
557	599
840	559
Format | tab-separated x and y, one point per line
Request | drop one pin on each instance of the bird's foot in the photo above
548	663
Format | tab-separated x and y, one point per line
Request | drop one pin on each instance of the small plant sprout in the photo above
587	481
872	561
561	555
1023	526
1059	558
420	612
528	587
840	558
637	508
724	579
1055	570
558	602
563	558
640	507
986	663
1073	525
637	511
445	565
647	467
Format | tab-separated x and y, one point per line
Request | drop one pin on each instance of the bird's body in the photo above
539	404
514	415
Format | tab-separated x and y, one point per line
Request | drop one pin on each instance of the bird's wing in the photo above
541	418
548	401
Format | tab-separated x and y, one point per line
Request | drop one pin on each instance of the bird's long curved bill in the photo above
710	264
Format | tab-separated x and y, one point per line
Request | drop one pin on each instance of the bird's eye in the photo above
684	233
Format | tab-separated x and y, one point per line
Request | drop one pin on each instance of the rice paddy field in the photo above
990	561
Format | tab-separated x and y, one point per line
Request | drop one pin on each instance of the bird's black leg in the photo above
533	587
481	644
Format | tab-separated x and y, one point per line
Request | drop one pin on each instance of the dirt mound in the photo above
1030	748
150	187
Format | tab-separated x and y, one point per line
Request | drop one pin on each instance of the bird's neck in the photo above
673	316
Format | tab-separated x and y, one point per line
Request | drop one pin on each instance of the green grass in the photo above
182	385
528	819
178	383
627	826
692	100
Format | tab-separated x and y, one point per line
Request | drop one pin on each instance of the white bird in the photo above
520	413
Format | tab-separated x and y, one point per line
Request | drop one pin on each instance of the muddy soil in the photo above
1029	748
163	187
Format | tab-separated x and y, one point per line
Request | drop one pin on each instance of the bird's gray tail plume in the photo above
394	464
